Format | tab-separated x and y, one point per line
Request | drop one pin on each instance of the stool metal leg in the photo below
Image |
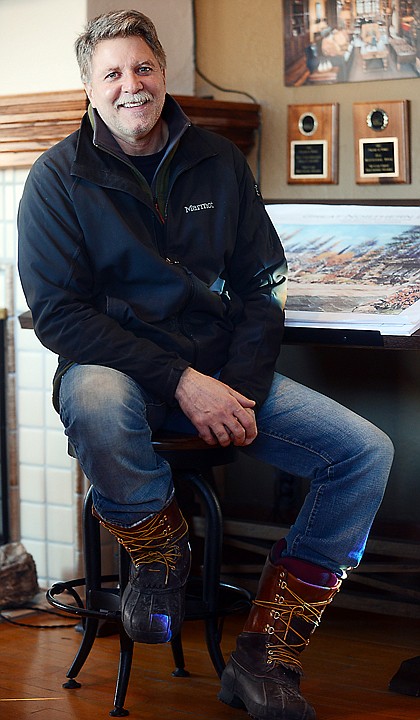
94	596
126	645
178	655
213	540
92	554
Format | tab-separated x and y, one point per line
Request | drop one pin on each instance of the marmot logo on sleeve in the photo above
202	206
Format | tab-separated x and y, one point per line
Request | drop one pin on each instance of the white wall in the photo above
36	45
37	38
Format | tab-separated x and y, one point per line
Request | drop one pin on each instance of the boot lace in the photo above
153	541
280	651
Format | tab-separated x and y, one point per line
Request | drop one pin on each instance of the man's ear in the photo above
89	93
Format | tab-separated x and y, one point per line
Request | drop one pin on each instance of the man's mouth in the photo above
133	102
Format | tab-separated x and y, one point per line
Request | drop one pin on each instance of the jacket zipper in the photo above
183	329
179	314
157	208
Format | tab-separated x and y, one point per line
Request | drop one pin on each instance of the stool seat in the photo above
173	441
190	450
208	599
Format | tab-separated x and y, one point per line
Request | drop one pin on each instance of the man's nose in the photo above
131	82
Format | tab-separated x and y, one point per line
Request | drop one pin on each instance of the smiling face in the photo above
127	87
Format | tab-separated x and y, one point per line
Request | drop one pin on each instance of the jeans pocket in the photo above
156	411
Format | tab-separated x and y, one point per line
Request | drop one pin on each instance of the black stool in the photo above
208	599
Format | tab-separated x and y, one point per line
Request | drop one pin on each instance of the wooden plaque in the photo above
381	146
312	137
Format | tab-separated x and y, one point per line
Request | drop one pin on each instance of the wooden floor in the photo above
347	669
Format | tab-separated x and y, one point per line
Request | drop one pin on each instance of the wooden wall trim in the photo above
30	124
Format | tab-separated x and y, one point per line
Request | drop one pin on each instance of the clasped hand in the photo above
220	414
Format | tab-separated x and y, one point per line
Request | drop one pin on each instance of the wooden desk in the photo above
350	338
402	51
321	336
369	55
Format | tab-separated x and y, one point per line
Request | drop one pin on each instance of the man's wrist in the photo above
182	378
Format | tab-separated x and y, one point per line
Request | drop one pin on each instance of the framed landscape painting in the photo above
351	266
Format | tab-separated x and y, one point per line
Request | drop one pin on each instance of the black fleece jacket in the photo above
151	280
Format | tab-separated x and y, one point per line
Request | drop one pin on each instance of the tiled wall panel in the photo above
46	517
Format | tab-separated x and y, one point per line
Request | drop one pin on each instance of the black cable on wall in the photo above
227	90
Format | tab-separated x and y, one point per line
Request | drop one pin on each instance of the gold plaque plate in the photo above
381	142
312	135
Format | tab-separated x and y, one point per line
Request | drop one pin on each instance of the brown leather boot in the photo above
153	603
263	673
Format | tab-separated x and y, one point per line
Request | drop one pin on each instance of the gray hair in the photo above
117	23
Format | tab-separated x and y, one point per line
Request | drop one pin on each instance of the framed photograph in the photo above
312	139
351	266
338	41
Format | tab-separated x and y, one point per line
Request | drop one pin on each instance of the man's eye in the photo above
111	75
144	70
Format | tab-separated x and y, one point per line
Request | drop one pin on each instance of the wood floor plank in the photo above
348	666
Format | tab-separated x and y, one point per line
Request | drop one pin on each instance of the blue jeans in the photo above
109	419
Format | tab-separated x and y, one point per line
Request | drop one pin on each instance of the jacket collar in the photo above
96	147
172	113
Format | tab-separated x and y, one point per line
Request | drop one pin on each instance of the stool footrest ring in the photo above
81	608
103	602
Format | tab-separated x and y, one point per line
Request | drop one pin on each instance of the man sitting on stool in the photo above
153	271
